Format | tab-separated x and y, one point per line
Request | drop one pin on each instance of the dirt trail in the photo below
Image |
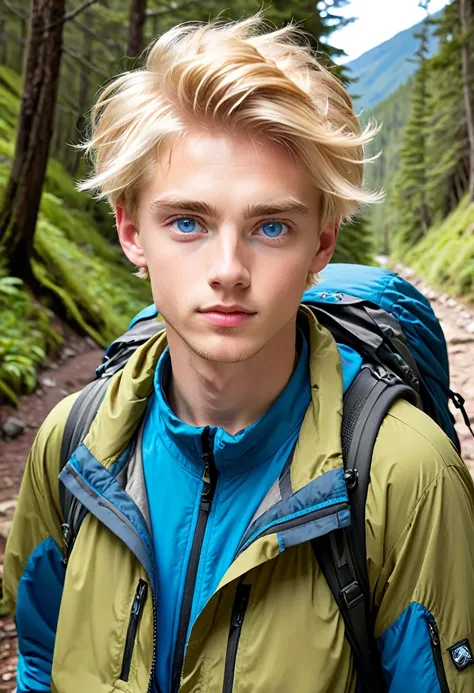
76	367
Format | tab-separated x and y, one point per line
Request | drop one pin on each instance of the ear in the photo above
129	237
327	245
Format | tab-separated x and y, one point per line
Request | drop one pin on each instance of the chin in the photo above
226	352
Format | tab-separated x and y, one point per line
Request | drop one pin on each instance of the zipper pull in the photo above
434	635
207	492
209	475
241	606
67	536
140	599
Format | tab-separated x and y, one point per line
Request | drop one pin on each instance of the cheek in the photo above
291	272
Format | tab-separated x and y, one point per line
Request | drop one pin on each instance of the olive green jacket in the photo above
73	623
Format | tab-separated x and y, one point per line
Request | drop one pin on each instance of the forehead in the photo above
223	166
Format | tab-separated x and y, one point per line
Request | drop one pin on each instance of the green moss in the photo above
445	256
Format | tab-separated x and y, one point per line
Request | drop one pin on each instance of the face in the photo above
228	230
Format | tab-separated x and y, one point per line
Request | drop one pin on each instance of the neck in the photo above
229	395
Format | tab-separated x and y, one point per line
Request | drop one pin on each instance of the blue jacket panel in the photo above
38	602
407	654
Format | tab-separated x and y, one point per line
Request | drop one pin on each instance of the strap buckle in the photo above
352	595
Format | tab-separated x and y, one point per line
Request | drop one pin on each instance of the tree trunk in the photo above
19	210
84	86
136	25
466	19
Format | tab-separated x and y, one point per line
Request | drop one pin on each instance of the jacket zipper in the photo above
135	613
151	681
437	656
239	609
209	479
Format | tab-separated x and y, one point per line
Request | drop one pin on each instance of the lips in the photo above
226	316
227	309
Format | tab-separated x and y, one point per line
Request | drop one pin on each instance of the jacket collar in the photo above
253	445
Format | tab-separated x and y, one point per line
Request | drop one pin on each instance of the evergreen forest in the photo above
59	258
426	157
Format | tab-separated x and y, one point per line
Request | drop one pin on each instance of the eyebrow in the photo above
250	211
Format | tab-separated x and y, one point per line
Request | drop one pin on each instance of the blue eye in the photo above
274	229
186	225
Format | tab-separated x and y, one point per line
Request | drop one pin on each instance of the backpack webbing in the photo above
341	555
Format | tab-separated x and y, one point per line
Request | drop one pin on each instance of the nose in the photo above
229	262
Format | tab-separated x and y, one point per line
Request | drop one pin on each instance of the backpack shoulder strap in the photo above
77	425
342	554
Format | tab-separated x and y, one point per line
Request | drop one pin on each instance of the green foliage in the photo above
25	336
447	140
445	257
10	81
355	243
86	271
392	116
409	198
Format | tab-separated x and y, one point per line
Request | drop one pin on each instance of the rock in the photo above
7	506
68	353
5	528
39	392
64	393
470	328
48	382
451	303
90	342
13	427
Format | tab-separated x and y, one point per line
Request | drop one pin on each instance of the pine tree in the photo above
447	140
410	200
466	17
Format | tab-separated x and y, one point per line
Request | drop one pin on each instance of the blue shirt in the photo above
247	465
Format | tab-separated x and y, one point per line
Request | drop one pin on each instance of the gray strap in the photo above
78	423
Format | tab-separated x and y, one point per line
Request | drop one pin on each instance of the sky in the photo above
377	21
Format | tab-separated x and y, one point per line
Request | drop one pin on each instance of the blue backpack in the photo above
404	355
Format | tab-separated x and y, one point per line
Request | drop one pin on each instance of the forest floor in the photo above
75	368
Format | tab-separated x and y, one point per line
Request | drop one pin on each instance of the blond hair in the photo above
233	77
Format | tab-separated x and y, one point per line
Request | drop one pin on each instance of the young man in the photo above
215	456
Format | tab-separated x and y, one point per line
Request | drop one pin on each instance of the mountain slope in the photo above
380	71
